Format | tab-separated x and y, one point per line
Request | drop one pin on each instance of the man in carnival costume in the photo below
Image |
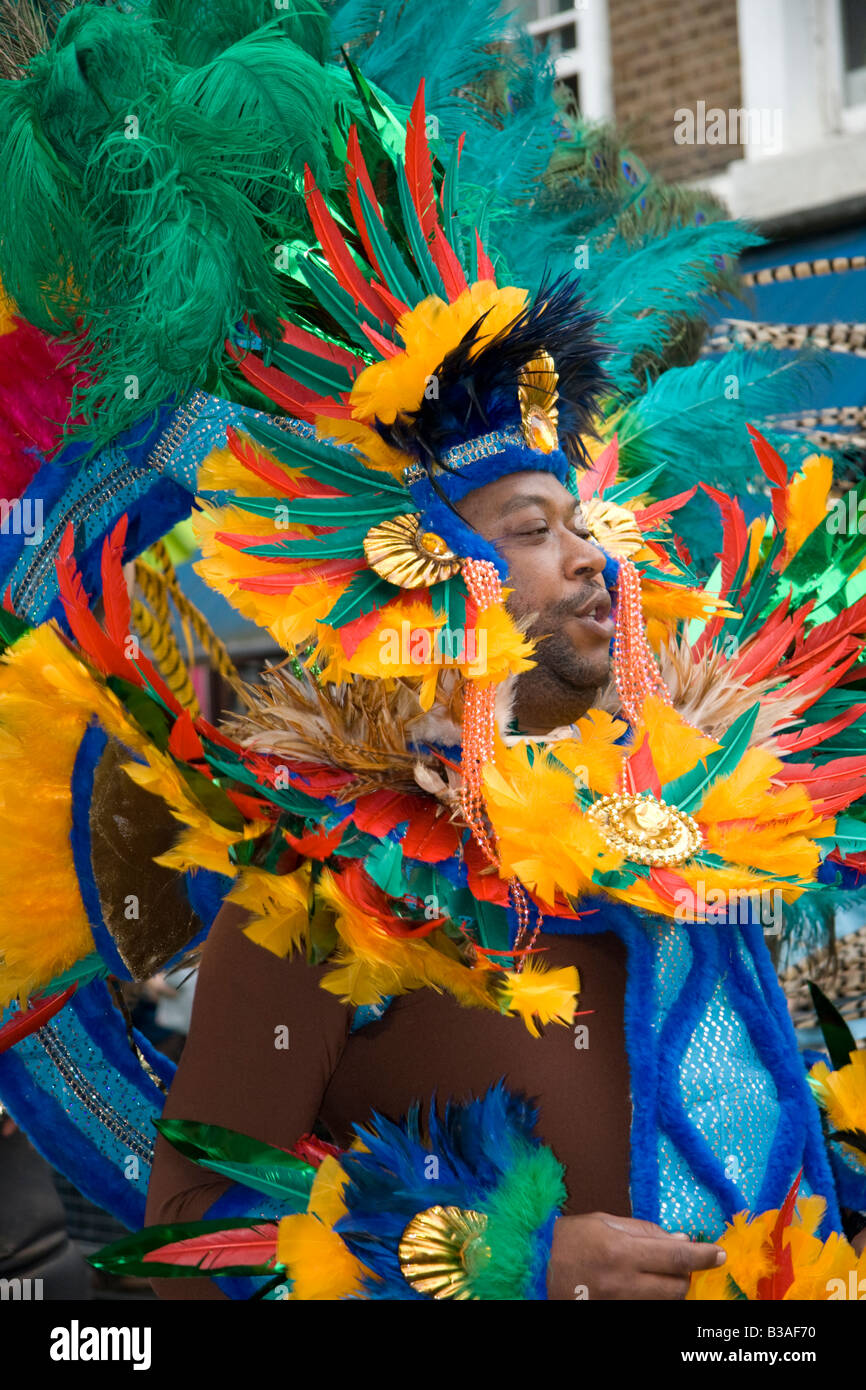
488	1012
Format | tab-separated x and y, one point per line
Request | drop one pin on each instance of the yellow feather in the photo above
430	330
807	501
317	1261
843	1095
675	747
326	1195
372	963
539	996
280	907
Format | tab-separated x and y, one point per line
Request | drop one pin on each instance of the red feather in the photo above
316	844
660	511
285	583
382	345
762	656
431	836
781	1276
115	595
251	1245
485	265
682	551
596	479
364	894
27	1021
107	655
419	170
352	634
312	1149
735	536
356	172
273	473
667	883
776	472
816	733
282	390
83	625
397	307
642	770
251	807
328	352
338	255
482	878
850	620
813	683
183	741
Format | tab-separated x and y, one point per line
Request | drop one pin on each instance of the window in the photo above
854	51
574	33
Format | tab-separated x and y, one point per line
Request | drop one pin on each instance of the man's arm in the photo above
263	1044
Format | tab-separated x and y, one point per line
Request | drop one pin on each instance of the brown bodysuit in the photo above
232	1074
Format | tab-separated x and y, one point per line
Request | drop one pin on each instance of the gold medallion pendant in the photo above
646	830
439	1248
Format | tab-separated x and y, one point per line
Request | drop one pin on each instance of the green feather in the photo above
517	1210
688	791
317	373
398	278
340	467
328	511
343	545
365	593
126	1256
424	263
838	1038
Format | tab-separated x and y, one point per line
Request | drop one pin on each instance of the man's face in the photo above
555	572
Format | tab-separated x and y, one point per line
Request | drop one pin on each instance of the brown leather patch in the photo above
143	904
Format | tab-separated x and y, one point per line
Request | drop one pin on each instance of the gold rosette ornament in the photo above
397	550
645	830
439	1249
537	394
614	528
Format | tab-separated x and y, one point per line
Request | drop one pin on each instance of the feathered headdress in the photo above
421	380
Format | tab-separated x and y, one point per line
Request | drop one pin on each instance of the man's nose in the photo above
584	557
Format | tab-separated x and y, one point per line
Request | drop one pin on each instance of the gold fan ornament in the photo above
397	550
439	1250
537	393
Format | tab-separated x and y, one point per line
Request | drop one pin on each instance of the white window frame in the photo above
590	60
848	117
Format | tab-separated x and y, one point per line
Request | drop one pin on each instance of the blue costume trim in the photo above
676	1033
85	1101
736	959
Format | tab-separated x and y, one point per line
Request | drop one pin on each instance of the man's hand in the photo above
618	1257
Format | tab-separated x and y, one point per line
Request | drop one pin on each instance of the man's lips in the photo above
595	609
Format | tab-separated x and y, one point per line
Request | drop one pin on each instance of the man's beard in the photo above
564	673
565	680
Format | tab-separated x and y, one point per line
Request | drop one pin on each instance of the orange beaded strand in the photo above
479	731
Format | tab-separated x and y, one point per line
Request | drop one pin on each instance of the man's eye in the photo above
541	529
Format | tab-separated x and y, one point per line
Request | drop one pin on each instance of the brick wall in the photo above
665	56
